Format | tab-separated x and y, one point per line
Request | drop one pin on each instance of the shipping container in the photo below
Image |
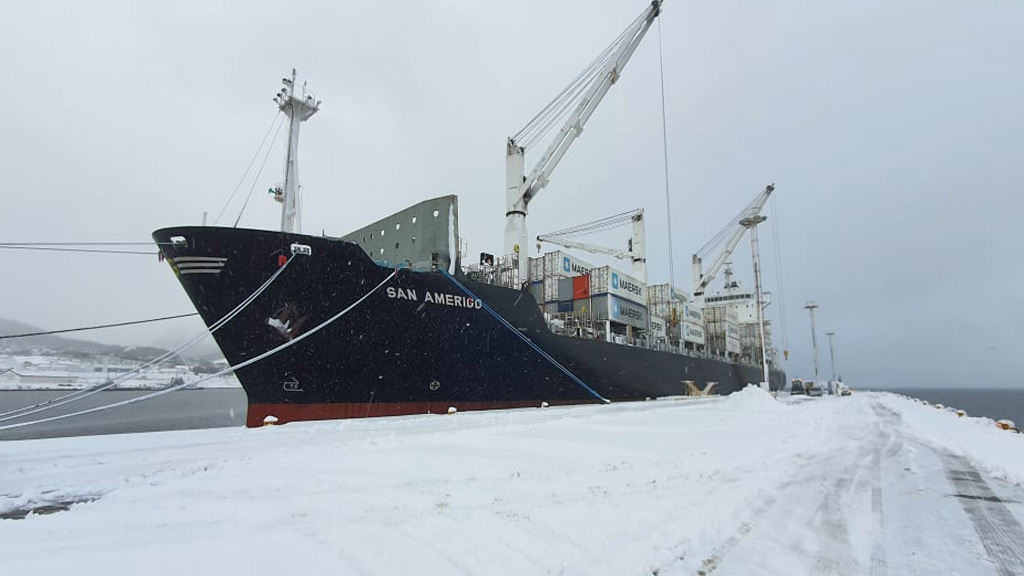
582	307
537	290
564	289
732	345
658	327
693	333
732	331
610	307
660	309
580	287
607	280
560	264
551	289
693	314
662	294
536	269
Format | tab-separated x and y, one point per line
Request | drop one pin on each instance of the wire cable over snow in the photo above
523	337
228	370
80	394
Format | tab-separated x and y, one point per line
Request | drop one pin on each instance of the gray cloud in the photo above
891	131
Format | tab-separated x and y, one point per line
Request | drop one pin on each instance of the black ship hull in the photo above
419	344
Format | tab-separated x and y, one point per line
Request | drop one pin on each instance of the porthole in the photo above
398	226
436	213
413	239
396	245
381	251
413	219
381	232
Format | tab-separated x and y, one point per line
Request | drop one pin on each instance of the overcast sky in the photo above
894	133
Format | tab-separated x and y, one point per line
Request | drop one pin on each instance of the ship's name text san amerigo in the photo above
434	298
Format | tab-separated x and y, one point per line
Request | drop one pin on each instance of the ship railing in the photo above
501	271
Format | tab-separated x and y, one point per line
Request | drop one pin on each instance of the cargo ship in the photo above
388	320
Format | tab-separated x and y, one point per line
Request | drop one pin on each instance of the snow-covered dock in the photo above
867	484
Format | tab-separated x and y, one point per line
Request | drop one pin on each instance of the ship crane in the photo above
576	103
636	252
731	235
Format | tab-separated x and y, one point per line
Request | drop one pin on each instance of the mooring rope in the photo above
227	370
523	337
79	394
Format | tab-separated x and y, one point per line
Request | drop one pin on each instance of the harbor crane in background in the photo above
731	235
636	252
576	103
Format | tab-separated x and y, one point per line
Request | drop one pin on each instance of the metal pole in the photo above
751	224
831	352
814	337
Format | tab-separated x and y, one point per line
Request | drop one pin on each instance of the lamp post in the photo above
831	352
814	337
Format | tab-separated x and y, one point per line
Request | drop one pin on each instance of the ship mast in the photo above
298	109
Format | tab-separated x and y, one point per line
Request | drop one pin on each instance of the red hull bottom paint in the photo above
302	412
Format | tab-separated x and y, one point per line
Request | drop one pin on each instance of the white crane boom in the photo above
521	189
637	243
752	211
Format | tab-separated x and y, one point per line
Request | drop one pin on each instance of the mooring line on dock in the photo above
79	394
227	370
524	338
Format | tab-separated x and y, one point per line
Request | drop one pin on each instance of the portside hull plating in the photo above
417	345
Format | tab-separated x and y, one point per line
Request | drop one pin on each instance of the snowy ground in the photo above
868	484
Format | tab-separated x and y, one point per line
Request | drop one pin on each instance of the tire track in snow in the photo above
890	447
1000	532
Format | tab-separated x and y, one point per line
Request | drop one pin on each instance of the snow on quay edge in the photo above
739	485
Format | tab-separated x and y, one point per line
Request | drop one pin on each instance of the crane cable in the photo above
559	107
601	225
227	370
247	168
664	147
258	173
79	394
777	245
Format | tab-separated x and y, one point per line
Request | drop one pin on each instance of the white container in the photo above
560	264
536	269
732	345
607	280
551	289
693	333
610	307
693	314
732	331
658	327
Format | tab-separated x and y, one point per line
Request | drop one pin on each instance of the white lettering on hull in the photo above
440	298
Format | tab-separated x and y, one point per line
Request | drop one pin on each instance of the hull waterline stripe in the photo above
523	337
227	370
337	410
79	394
